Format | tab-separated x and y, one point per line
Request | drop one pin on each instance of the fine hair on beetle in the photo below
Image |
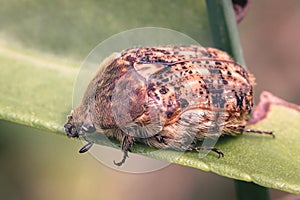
167	97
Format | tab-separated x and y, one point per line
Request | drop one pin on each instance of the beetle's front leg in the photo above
86	128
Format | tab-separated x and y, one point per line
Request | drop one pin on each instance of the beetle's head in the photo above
76	129
71	128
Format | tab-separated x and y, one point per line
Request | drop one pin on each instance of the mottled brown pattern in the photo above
168	97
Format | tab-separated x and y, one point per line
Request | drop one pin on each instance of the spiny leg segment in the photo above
127	143
260	132
198	149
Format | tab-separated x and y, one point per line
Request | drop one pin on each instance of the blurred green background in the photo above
40	165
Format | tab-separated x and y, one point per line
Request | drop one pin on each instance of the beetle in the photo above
165	97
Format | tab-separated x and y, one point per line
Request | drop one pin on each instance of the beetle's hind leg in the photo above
127	143
260	132
198	149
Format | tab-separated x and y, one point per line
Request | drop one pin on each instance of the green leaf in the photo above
36	89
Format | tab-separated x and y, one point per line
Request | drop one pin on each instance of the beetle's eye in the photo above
67	128
70	130
89	128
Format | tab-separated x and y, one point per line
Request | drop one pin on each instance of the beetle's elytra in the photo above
165	97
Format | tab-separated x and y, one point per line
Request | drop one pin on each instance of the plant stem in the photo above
225	37
223	28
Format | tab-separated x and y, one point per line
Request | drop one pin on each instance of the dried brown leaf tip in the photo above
262	109
240	9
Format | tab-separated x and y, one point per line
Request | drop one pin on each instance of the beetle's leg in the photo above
196	148
86	147
86	128
260	132
160	138
127	143
125	155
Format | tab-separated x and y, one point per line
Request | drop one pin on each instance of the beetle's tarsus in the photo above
260	132
125	155
127	143
219	152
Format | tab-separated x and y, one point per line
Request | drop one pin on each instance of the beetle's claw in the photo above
125	155
220	153
160	139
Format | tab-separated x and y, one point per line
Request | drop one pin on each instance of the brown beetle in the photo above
165	97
